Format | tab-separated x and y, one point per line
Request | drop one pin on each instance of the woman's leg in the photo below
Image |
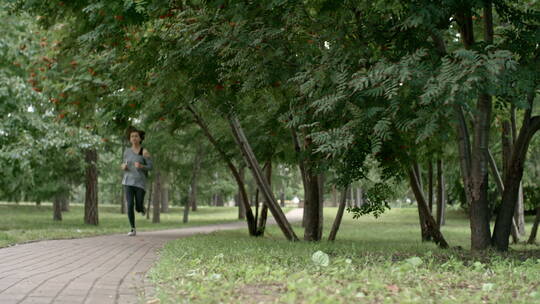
130	198
139	200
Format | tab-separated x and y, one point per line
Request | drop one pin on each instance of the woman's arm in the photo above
149	165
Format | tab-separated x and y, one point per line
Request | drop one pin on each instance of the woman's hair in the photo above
133	129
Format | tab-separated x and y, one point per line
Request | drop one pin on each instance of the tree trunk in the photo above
479	210
512	180
192	198
519	212
268	195
430	186
123	202
149	205
500	187
339	215
164	194
241	204
252	224
38	202
303	172
432	229
57	207
157	198
441	195
220	202
91	196
534	229
422	215
264	211
312	207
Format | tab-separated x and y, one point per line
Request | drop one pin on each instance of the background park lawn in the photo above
373	261
23	223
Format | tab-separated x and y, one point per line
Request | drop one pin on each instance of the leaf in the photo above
414	261
487	286
320	258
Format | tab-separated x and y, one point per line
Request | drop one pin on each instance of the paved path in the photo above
101	270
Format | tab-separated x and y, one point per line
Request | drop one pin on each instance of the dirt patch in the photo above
261	293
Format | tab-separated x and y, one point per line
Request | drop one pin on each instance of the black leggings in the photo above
134	198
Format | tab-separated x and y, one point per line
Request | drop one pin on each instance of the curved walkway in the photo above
101	270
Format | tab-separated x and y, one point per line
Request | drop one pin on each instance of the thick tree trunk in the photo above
312	207
57	207
479	209
268	195
441	195
91	196
534	229
339	215
252	224
432	229
157	198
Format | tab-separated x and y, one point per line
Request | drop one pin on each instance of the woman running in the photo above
136	164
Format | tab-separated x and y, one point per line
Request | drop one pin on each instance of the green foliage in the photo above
372	260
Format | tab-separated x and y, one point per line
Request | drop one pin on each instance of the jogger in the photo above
136	164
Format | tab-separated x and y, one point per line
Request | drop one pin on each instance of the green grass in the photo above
373	261
24	223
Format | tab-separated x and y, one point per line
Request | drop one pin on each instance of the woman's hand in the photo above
124	166
138	165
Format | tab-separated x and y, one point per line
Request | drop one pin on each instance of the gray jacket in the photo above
134	176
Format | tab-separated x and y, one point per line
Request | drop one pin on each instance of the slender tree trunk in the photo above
430	186
65	201
157	199
264	211
441	195
123	202
422	215
500	187
268	195
219	200
339	215
164	194
252	224
38	202
91	196
519	212
534	229
432	229
512	180
57	207
282	198
192	197
303	172
149	205
241	204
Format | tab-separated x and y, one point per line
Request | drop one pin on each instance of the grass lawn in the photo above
23	223
372	261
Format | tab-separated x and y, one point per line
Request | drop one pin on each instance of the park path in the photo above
103	270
